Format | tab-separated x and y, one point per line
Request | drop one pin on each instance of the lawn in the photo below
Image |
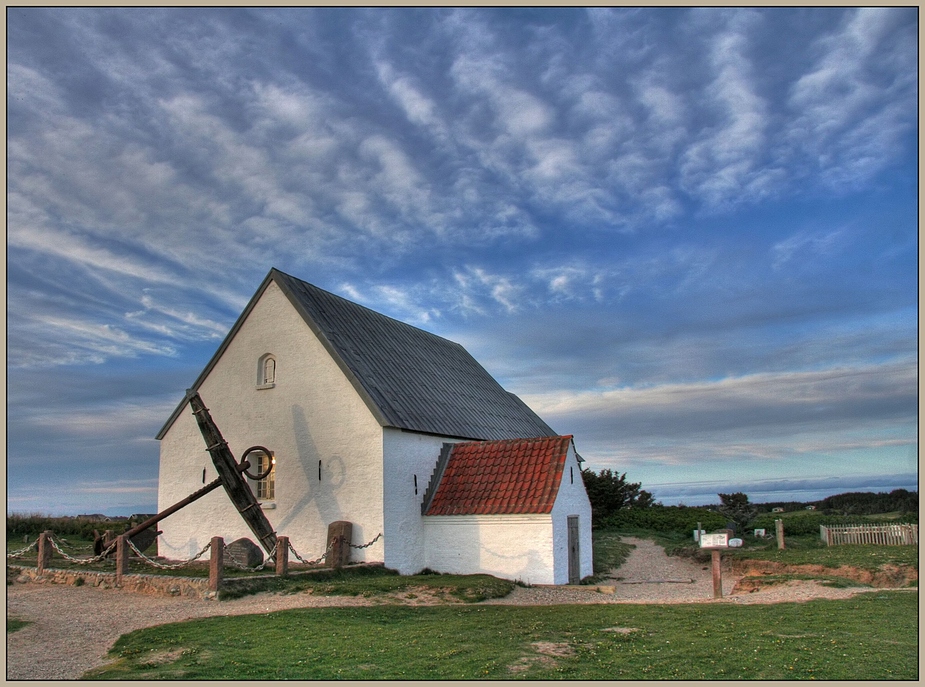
872	636
800	551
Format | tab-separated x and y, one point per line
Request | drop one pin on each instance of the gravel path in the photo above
72	628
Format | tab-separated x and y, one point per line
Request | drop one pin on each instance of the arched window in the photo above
266	371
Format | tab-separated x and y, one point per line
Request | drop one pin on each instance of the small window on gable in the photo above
266	371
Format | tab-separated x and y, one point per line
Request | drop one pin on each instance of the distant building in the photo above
94	517
777	510
810	508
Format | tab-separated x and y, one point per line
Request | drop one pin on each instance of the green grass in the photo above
801	550
825	580
13	624
809	551
376	580
609	551
868	637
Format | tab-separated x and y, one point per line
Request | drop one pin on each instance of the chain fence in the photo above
22	551
82	561
317	560
168	566
235	563
328	550
81	547
369	543
56	544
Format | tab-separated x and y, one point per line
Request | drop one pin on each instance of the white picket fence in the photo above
887	535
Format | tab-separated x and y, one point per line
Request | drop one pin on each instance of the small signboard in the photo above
735	543
759	532
714	541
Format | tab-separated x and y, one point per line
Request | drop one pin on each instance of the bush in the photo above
33	524
609	492
809	523
682	519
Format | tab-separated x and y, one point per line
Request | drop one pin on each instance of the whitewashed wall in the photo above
514	547
529	548
312	414
406	455
572	499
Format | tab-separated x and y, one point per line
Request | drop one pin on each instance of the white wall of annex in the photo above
514	547
312	414
572	499
407	455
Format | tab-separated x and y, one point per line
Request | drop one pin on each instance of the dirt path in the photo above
72	628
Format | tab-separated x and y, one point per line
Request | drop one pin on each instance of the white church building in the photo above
394	429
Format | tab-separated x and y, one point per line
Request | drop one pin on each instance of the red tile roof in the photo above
501	477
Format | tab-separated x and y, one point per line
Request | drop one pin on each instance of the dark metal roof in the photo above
411	379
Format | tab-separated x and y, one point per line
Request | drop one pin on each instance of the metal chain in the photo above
166	566
317	560
240	566
83	561
330	547
84	547
17	554
369	543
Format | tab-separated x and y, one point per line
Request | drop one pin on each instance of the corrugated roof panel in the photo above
417	380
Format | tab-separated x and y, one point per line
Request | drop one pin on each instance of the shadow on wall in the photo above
526	567
320	492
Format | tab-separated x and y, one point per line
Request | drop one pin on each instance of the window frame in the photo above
263	380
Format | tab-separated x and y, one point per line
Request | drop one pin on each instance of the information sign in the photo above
711	541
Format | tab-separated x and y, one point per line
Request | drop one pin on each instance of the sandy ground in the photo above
72	628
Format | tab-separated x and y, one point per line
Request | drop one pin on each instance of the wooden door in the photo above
574	565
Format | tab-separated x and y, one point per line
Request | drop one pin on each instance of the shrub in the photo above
609	492
809	523
33	524
682	519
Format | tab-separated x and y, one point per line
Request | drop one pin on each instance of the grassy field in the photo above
813	552
609	551
869	637
376	580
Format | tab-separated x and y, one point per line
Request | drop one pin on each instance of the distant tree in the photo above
737	508
869	503
609	492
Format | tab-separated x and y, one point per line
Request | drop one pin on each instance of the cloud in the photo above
738	417
724	164
847	119
595	202
767	491
812	245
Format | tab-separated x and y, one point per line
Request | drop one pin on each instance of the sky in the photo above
687	242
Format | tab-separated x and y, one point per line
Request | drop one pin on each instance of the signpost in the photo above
715	543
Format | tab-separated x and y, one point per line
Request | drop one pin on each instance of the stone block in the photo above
244	552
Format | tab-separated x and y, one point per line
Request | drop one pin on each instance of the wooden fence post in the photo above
282	556
779	525
122	550
717	574
339	534
216	563
44	559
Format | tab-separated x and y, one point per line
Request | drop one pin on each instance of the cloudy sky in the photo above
686	236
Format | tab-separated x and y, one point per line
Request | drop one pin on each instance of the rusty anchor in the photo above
230	476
